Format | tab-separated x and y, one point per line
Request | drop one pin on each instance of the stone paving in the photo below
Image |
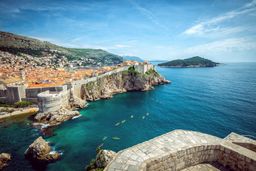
180	149
206	167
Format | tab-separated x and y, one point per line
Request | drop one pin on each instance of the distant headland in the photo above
193	62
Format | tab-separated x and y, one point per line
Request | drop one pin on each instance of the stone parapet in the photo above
180	149
242	141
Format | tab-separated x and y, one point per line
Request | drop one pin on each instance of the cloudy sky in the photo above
221	30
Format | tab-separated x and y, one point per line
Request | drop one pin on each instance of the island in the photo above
193	62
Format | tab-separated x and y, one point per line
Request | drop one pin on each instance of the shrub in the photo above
151	72
22	104
132	71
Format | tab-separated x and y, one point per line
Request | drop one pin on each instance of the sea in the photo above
217	101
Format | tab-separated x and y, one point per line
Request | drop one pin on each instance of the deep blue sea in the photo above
215	100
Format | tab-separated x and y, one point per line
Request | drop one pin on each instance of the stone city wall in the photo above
77	85
242	141
201	154
12	94
49	101
180	149
143	68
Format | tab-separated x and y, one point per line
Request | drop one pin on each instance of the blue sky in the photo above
221	30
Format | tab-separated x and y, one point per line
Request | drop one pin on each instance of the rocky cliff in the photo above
102	88
129	80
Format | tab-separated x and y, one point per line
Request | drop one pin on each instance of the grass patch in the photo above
22	104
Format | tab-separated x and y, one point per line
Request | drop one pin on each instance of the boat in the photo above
78	116
115	138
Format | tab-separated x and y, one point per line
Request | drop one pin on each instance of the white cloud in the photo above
226	45
230	49
211	25
122	46
149	15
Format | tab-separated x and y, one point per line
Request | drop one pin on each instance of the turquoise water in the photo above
211	100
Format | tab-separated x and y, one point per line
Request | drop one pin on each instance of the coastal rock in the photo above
40	151
56	117
106	87
76	102
136	82
103	158
103	88
4	159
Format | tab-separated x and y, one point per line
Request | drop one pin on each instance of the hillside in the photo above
21	45
133	58
189	62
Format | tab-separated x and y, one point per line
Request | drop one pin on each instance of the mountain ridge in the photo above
18	44
132	58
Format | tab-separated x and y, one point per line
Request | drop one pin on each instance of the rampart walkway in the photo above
181	149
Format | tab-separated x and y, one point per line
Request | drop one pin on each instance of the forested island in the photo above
193	62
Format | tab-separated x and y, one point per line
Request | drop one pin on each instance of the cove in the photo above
211	100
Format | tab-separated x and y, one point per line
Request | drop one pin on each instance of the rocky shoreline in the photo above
43	120
103	88
103	158
131	80
40	152
49	119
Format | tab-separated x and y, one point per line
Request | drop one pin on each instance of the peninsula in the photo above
193	62
60	80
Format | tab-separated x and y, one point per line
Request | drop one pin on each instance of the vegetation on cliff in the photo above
189	62
19	45
129	80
